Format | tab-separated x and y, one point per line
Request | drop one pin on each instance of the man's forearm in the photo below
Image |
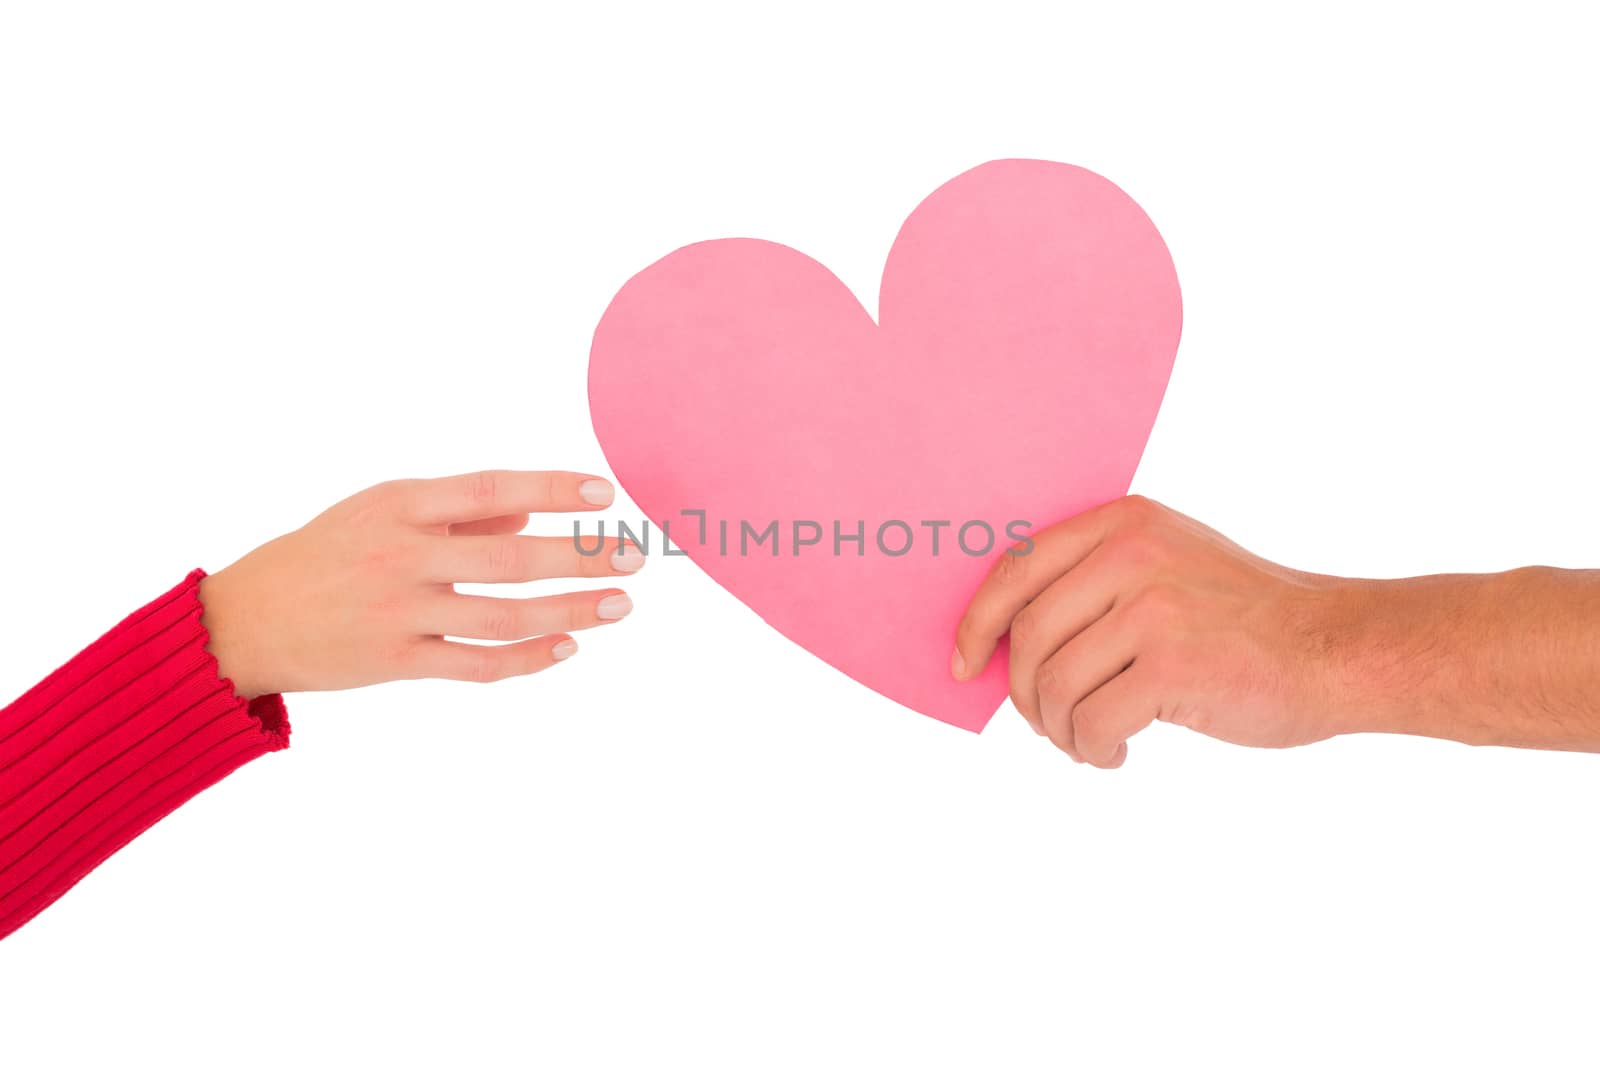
1493	659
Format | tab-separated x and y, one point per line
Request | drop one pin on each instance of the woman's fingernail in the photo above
614	607
596	492
563	649
627	559
958	665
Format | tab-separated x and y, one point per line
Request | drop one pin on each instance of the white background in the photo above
255	257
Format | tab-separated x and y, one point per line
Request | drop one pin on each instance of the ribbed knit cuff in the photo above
102	749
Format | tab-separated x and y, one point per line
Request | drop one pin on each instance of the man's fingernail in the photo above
1036	728
958	665
563	649
627	559
596	492
614	607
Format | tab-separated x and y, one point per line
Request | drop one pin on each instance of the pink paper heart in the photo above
1028	319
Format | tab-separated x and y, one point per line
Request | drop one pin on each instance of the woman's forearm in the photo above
118	737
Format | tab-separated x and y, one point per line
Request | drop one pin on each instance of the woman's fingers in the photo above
489	618
435	657
500	524
486	494
524	559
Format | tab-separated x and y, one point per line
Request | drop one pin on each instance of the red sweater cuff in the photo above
102	749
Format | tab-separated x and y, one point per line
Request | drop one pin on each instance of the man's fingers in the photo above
1015	579
486	494
1104	720
518	558
1064	610
435	657
1077	669
490	618
500	524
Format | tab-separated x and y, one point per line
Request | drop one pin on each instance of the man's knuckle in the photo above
1058	727
1157	605
1132	550
1025	628
1138	510
1051	682
1088	727
1010	569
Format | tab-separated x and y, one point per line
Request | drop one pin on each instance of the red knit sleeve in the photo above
130	728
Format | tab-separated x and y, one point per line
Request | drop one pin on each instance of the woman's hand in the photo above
363	593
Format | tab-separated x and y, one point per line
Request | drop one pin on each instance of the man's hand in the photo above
1132	612
364	593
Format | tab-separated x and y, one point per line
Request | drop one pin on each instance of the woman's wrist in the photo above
228	640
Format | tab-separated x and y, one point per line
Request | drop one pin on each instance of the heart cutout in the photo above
1029	315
